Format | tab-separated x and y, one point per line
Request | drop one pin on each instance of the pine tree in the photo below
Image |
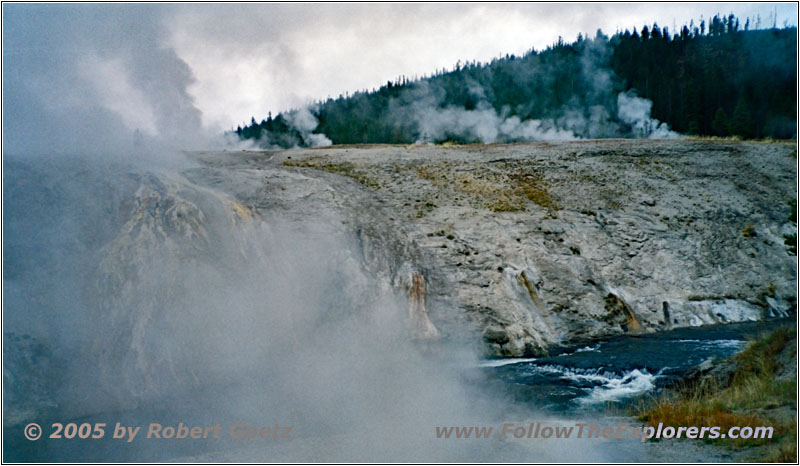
720	124
693	83
742	122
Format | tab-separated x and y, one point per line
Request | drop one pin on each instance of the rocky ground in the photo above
162	275
534	245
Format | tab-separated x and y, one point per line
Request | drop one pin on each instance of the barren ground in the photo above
532	245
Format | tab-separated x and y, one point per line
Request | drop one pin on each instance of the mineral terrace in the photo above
532	245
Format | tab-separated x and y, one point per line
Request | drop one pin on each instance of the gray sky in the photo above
160	68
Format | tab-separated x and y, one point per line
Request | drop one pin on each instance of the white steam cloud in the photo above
304	122
635	111
150	285
96	79
604	113
483	124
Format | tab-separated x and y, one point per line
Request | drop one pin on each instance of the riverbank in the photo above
287	287
756	387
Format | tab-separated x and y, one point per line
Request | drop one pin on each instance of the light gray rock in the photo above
533	245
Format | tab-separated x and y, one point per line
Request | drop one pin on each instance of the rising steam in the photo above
600	115
156	299
138	286
304	122
424	111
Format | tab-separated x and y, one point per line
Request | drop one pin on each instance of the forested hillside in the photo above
720	78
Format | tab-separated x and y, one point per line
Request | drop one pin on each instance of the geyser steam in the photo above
173	295
138	286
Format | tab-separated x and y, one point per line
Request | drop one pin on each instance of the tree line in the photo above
719	78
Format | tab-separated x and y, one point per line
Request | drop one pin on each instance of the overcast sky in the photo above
148	67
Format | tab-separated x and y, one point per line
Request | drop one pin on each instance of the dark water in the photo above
618	370
578	381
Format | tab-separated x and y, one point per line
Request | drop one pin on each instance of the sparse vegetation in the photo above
451	143
342	168
532	186
493	190
751	394
749	230
502	205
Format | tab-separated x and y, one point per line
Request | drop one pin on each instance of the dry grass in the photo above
450	143
532	186
342	168
750	397
483	188
715	138
740	139
508	190
749	230
491	189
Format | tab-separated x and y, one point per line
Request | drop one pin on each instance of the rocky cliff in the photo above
534	245
128	285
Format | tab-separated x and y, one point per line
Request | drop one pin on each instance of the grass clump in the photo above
483	188
532	186
451	143
760	359
509	190
342	168
750	395
503	205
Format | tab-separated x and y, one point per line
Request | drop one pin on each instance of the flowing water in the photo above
577	383
139	298
617	370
